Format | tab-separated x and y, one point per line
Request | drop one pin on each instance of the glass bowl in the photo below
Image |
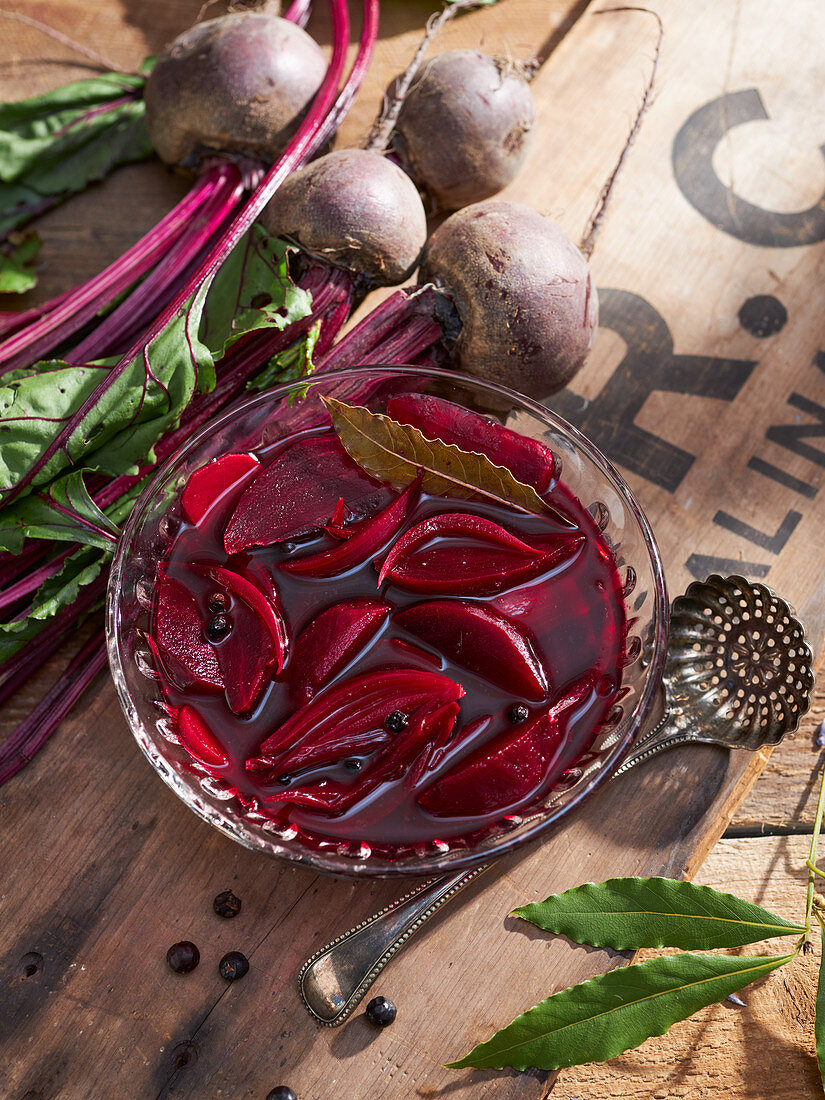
264	420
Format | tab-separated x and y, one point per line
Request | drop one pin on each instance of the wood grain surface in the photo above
715	413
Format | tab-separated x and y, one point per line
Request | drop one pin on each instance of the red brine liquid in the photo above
367	665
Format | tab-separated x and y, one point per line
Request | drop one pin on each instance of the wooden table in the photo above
707	387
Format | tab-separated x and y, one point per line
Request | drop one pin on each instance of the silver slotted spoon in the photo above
738	674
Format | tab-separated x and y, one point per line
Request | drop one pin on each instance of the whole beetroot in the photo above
522	291
240	84
465	127
355	209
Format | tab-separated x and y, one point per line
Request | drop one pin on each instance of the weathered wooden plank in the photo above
103	868
765	1048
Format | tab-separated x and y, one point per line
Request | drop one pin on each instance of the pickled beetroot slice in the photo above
466	555
349	712
179	639
297	491
210	483
434	733
337	525
239	586
525	458
405	753
441	752
513	768
330	641
198	739
480	640
259	577
255	643
372	534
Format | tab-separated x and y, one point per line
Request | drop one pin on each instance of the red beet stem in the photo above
35	730
299	12
31	581
71	311
402	326
25	664
15	566
138	309
15	319
369	33
374	327
30	657
415	337
290	159
334	321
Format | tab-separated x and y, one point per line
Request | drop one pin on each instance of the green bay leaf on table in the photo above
629	913
613	1012
397	453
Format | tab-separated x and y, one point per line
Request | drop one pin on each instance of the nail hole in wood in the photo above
30	964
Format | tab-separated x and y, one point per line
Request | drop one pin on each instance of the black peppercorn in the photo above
217	628
397	721
227	904
183	957
518	714
233	966
353	764
218	601
281	1092
381	1012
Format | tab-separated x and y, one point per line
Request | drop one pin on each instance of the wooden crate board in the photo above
103	868
678	393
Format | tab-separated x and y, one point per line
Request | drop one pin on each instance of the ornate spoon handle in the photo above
335	979
670	733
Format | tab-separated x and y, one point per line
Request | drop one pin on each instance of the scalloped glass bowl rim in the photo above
328	861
